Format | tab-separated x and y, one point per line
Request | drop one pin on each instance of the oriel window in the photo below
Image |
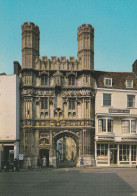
105	125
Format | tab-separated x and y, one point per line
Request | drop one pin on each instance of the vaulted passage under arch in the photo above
67	149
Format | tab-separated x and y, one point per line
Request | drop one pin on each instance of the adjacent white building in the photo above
116	118
9	115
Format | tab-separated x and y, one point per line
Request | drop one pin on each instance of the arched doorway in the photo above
44	149
67	149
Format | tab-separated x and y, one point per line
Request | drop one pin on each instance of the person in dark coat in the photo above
38	162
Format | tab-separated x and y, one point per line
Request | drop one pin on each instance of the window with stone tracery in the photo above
44	80
71	80
72	104
86	142
27	108
27	78
44	103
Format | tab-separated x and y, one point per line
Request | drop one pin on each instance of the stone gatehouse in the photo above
57	101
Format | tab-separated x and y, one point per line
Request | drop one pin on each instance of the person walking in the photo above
44	162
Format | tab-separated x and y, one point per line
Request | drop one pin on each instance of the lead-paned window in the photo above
128	126
102	125
105	125
109	125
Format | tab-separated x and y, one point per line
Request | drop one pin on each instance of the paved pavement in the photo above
70	182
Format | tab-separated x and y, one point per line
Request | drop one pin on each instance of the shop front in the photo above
116	154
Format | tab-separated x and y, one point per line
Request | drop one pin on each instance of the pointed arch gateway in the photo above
66	145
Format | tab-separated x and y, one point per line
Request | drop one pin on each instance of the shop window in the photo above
44	103
44	80
102	149
71	104
129	83
105	125
133	152
131	101
106	99
123	152
128	126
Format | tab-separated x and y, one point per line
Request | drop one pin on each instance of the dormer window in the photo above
129	83
108	81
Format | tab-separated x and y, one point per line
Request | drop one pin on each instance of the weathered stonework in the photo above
57	100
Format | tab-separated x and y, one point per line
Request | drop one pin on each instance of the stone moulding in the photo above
58	123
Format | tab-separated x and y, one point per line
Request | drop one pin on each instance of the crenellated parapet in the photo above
30	26
56	63
85	28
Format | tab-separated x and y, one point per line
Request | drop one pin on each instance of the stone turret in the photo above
86	46
30	44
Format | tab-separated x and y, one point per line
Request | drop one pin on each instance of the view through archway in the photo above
66	152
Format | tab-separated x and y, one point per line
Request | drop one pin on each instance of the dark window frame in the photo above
44	103
72	104
106	99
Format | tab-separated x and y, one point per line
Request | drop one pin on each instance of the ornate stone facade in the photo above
57	100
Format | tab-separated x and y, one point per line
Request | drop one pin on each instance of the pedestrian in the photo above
16	164
29	163
44	160
38	162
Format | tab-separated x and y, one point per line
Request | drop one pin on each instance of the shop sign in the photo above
118	111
